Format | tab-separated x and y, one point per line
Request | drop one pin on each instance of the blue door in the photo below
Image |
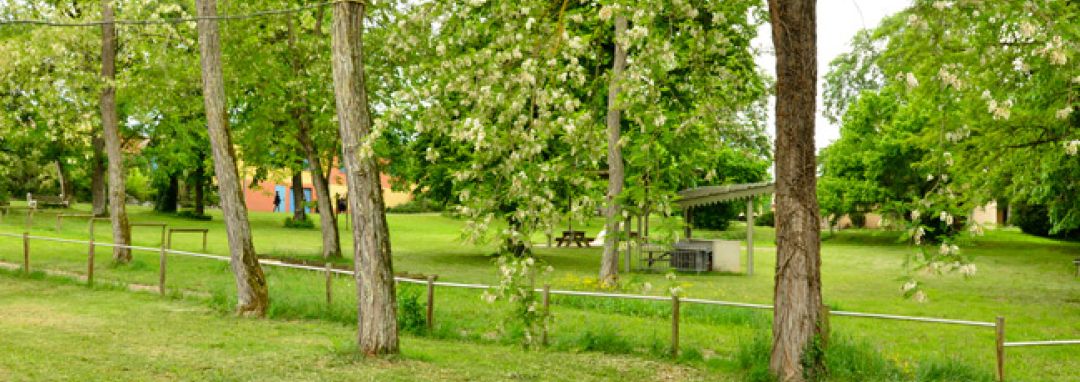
281	192
307	198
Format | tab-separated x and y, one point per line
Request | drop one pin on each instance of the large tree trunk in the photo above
98	184
331	243
298	202
799	320
251	293
371	239
111	132
609	264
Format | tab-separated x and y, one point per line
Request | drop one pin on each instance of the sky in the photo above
837	23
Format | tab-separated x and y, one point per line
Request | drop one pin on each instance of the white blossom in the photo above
1027	29
920	296
912	82
909	286
605	13
1071	147
1063	113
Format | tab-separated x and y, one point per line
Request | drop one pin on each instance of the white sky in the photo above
837	23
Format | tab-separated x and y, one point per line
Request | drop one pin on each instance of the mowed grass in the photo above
55	332
1028	280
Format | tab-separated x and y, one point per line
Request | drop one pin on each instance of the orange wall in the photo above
261	198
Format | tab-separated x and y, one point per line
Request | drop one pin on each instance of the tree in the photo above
252	296
377	302
98	185
111	134
978	100
799	317
331	246
609	263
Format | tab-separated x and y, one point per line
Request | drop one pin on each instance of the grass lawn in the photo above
1028	280
62	332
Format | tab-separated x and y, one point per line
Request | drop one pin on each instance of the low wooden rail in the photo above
60	217
5	210
431	283
163	226
204	232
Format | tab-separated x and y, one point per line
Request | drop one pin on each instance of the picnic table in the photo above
573	237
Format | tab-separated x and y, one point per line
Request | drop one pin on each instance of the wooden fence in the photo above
998	325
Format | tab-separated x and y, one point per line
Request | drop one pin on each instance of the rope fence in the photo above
546	291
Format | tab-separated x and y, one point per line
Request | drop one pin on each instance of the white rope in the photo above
278	263
1042	343
912	318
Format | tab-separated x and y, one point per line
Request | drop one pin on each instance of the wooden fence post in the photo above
431	302
162	261
26	251
58	222
329	284
1000	339
674	325
547	314
204	241
90	263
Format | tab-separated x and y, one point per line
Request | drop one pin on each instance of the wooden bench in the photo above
204	231
46	200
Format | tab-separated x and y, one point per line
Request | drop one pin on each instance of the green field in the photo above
1028	280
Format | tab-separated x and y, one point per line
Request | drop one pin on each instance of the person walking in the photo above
277	202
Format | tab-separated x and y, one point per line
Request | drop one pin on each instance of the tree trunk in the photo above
65	181
111	132
168	197
199	184
252	297
97	179
298	196
331	242
609	264
799	320
377	303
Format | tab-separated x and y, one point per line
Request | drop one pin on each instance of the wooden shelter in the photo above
703	196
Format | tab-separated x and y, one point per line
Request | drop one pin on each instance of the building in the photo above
259	196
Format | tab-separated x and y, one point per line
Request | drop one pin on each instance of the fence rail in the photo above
676	301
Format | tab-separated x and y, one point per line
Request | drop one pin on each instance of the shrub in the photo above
767	219
415	206
138	184
846	359
716	216
304	223
1034	219
190	214
603	339
411	312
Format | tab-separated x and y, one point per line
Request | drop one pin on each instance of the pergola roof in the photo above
702	196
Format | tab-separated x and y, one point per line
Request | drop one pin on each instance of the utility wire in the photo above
243	16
